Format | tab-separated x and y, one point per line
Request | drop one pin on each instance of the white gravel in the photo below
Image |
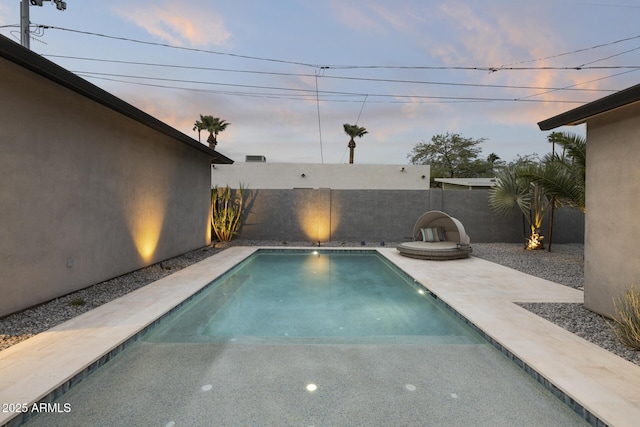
563	265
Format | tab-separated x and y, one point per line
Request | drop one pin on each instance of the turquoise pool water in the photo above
313	296
334	338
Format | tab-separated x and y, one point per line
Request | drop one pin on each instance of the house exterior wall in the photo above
612	229
87	193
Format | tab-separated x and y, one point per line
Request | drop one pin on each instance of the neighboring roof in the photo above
581	114
468	182
27	59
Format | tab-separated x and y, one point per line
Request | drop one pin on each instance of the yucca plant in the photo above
627	320
226	212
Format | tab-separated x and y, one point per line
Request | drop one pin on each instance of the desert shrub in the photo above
77	302
627	318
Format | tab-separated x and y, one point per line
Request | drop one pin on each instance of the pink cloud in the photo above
179	23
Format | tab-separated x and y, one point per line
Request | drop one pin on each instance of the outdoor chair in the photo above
437	236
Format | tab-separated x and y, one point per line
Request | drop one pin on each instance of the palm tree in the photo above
491	158
199	126
515	191
214	125
562	176
353	131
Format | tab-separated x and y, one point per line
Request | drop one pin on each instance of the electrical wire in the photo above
368	79
316	66
319	123
311	91
190	49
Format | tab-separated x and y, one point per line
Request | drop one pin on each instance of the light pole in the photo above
24	17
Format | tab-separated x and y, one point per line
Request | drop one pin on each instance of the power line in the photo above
319	123
324	92
306	98
558	55
344	67
191	49
369	79
581	83
361	108
609	57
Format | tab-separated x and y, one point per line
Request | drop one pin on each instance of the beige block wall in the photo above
612	222
87	194
280	176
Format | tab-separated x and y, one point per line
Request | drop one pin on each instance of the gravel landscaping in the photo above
563	265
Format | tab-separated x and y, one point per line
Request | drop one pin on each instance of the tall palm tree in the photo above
353	131
491	158
199	126
213	125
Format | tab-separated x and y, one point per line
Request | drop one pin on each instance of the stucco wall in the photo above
612	205
280	176
87	194
382	215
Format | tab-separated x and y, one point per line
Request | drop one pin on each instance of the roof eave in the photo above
584	112
31	61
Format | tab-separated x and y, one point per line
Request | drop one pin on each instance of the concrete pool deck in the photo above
481	291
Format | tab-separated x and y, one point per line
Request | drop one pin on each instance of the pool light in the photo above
311	387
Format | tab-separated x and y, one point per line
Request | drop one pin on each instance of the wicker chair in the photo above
437	236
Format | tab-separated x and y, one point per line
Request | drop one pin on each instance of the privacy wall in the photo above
87	193
383	215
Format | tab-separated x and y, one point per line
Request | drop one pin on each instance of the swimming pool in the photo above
312	296
229	374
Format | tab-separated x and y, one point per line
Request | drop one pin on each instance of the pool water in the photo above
300	338
313	296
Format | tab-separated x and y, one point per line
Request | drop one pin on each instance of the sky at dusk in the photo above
288	74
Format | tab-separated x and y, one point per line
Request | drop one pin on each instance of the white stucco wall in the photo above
335	176
612	225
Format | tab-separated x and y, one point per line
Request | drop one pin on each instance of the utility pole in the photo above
24	17
24	23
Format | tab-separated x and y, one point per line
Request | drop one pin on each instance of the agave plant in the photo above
226	212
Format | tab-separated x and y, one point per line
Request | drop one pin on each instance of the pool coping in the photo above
483	293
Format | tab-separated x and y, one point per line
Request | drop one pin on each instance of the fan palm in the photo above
213	125
514	191
353	131
563	176
199	126
492	158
